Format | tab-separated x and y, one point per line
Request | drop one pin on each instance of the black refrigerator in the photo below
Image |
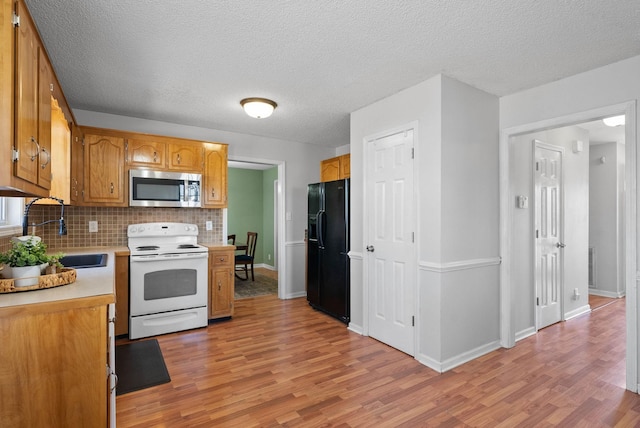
328	245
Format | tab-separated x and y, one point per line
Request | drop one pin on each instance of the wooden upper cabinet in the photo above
77	166
45	88
335	168
33	101
345	166
214	190
143	153
104	175
185	157
330	169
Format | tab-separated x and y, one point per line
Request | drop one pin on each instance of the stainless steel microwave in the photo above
149	188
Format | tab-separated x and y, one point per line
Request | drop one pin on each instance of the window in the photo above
11	216
3	211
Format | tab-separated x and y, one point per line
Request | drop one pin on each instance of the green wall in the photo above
250	209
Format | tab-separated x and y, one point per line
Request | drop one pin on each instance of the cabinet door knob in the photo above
33	157
44	165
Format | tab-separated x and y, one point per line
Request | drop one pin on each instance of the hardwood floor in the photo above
280	363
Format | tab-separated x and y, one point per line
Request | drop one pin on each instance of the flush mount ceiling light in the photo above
258	107
614	121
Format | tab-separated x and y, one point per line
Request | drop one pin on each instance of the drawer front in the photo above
221	259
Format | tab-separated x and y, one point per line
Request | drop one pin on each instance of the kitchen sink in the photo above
80	261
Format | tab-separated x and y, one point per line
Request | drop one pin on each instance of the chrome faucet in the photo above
25	220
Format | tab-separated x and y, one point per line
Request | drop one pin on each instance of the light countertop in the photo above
90	282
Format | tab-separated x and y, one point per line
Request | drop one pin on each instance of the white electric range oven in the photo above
168	281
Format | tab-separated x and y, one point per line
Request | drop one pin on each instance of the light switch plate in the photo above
209	225
93	226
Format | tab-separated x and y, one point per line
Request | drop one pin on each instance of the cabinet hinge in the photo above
413	237
537	301
413	321
412	153
15	155
537	233
51	87
15	20
537	166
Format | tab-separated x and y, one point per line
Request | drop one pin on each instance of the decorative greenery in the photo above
26	253
54	260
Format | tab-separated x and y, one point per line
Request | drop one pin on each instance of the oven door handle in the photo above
157	257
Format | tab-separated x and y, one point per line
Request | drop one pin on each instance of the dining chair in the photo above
231	239
246	259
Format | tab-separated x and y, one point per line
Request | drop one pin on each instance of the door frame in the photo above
279	218
366	223
507	304
536	249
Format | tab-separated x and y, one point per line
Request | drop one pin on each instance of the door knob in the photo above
561	245
370	248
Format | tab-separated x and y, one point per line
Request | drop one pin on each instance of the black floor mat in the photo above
140	365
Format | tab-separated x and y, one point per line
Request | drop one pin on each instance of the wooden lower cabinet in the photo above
122	293
54	364
221	283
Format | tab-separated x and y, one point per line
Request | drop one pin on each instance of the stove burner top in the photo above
183	246
147	248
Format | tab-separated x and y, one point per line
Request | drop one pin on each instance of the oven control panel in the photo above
162	229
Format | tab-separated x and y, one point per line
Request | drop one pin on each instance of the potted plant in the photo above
25	258
54	263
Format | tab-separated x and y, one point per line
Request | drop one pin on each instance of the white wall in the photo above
456	173
606	183
302	166
614	86
576	223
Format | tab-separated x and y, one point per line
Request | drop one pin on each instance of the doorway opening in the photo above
265	178
518	294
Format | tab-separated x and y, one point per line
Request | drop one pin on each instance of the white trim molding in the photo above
577	312
459	359
458	265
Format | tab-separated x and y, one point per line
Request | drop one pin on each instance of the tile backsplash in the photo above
112	224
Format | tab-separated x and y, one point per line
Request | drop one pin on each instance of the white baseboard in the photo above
458	360
577	312
525	333
355	328
604	293
296	295
265	266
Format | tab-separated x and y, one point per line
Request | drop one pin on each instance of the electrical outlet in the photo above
209	225
93	226
268	256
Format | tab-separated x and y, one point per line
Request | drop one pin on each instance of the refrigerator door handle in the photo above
320	230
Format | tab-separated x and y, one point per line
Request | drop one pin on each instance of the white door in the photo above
391	251
548	233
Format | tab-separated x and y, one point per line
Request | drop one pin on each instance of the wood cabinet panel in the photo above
45	87
26	98
122	294
214	190
330	169
104	177
345	166
53	368
335	168
221	283
185	157
143	153
77	166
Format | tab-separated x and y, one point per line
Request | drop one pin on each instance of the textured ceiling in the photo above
192	61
